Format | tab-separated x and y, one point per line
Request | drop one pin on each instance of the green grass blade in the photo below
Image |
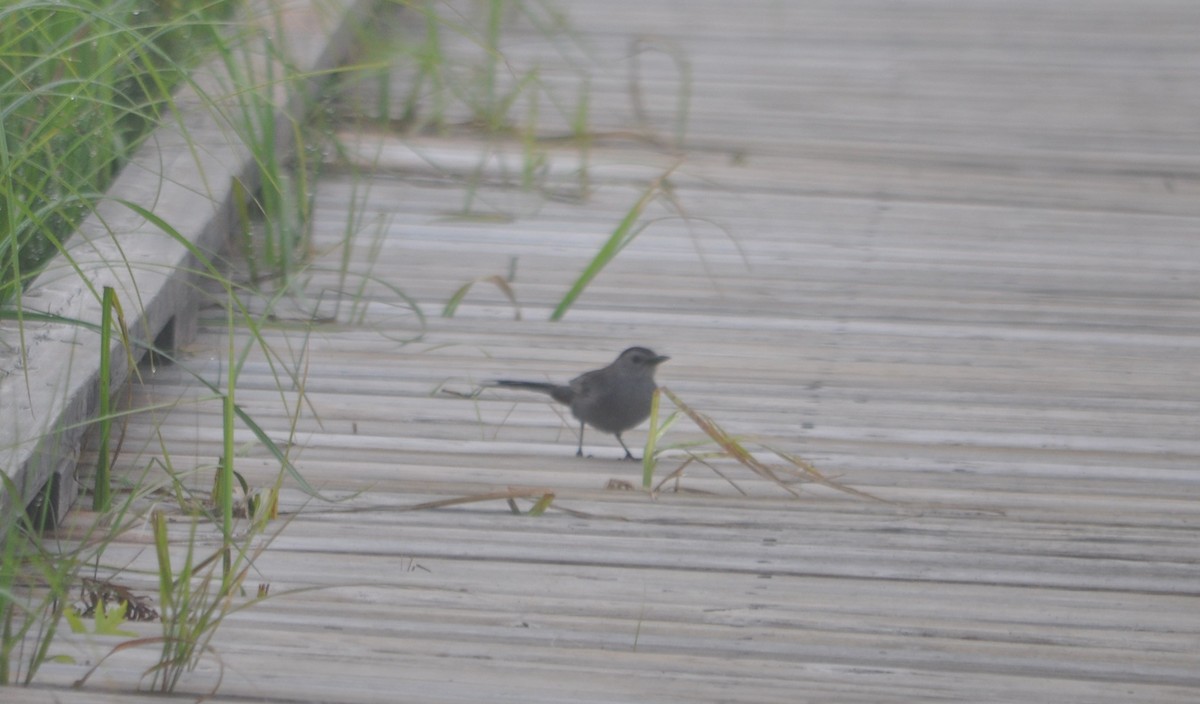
649	460
624	233
101	497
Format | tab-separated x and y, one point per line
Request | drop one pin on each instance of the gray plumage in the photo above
611	400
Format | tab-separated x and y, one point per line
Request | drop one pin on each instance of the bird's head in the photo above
641	358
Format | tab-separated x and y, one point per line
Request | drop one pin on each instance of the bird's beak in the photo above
659	359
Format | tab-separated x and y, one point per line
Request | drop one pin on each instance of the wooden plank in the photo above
944	251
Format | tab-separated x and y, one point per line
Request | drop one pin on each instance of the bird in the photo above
611	400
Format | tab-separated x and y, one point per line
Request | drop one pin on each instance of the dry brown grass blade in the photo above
728	443
803	469
712	468
496	280
677	474
541	498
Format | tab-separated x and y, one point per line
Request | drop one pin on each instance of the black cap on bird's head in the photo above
641	357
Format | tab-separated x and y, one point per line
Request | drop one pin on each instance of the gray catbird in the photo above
612	400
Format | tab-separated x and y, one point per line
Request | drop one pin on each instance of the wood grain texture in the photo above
945	251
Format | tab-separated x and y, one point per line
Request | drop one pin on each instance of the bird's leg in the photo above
579	452
628	454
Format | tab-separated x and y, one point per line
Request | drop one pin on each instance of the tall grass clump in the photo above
81	84
459	80
38	578
283	197
28	618
449	87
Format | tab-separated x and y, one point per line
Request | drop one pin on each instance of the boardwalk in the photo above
946	252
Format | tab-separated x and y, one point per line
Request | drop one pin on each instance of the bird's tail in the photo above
562	394
542	386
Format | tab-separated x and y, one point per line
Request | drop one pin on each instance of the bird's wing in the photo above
585	384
